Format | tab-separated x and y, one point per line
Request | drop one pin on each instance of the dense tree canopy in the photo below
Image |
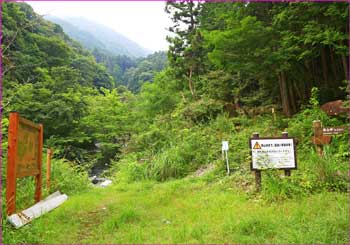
278	49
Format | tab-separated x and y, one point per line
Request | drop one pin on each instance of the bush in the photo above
68	178
200	111
129	169
277	187
189	149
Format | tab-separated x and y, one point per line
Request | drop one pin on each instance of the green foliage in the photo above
276	187
68	178
314	97
158	97
293	37
314	173
106	122
146	70
48	78
200	111
129	169
217	85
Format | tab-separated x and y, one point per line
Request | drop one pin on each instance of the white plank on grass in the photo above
40	208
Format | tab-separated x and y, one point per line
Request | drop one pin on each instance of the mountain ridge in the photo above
90	34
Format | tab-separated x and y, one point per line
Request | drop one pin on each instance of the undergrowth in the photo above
183	147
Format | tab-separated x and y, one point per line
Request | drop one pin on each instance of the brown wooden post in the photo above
48	168
38	178
273	114
257	172
11	163
318	133
258	180
287	172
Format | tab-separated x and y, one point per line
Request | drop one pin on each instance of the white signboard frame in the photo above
273	153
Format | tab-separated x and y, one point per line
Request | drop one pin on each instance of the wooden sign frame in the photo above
25	144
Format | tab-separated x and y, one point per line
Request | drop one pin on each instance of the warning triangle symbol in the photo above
257	146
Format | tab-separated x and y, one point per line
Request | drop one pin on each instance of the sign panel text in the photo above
273	153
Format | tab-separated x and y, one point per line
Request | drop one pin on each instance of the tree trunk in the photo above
298	91
292	100
315	74
324	66
308	85
284	94
345	66
190	82
333	65
345	63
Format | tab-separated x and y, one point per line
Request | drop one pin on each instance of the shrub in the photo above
68	177
129	169
202	110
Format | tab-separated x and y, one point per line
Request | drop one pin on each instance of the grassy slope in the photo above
192	210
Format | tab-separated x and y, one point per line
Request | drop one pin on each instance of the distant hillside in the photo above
96	36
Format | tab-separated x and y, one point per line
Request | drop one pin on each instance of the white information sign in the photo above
273	153
224	146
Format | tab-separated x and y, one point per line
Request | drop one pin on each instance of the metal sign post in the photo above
224	150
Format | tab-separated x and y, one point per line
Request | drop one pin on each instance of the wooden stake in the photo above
38	178
318	132
287	172
257	172
273	114
258	180
48	168
11	163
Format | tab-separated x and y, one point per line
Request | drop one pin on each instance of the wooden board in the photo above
322	140
27	151
25	143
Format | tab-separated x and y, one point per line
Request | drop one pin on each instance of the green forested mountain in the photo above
129	64
144	71
132	72
96	36
49	78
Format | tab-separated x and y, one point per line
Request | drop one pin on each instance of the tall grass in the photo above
186	146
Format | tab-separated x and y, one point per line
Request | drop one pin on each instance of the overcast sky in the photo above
142	22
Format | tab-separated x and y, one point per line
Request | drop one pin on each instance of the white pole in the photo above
228	166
